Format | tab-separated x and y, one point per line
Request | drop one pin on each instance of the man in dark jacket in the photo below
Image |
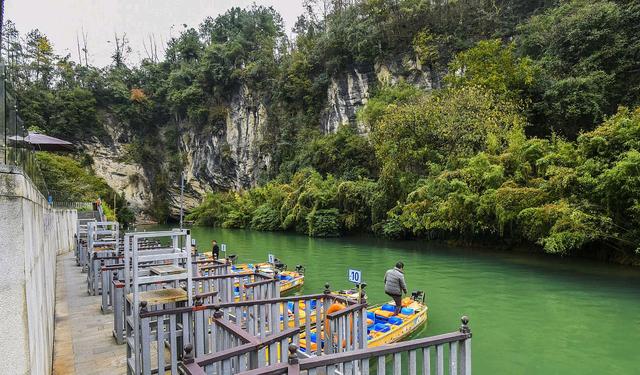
394	285
215	250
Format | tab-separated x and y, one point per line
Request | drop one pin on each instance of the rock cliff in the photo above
350	90
123	175
229	156
228	153
225	155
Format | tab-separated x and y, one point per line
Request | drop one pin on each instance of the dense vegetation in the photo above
71	180
530	135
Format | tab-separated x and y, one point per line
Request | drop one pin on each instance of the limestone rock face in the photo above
350	90
109	162
228	156
346	93
225	155
229	153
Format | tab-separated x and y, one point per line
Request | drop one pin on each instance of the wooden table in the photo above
161	296
104	248
168	269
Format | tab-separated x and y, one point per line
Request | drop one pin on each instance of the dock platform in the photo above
83	343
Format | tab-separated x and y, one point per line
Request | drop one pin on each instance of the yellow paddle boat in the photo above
383	327
289	280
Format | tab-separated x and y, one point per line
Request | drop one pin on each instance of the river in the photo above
529	314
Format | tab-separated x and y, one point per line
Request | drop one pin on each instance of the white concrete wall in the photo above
31	235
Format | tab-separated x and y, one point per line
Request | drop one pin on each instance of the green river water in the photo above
529	314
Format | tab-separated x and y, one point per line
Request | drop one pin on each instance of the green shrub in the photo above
324	223
266	218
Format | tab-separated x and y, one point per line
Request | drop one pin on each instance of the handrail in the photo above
227	276
225	354
345	311
179	310
378	351
241	349
261	282
286	299
277	337
277	369
237	330
459	360
205	295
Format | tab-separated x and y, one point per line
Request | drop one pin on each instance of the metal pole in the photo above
181	197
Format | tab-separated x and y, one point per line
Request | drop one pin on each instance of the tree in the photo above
439	128
491	65
39	55
586	52
121	50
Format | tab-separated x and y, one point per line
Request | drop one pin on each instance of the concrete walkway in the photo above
83	344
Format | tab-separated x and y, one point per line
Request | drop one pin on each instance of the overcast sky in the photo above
61	20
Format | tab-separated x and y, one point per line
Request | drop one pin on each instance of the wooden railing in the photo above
209	330
208	290
263	317
424	356
243	356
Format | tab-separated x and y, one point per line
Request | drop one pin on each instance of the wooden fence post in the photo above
293	364
465	347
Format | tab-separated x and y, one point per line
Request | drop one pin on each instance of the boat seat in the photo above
388	307
383	313
407	311
380	327
395	321
370	322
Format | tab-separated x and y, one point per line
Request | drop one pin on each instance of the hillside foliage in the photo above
528	135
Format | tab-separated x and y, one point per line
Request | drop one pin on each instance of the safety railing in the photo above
310	314
14	151
424	356
240	356
268	321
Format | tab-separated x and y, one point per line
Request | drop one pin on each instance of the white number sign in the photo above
223	247
355	276
272	259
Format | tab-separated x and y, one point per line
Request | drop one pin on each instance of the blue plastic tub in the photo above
395	321
388	307
381	327
407	311
371	315
381	319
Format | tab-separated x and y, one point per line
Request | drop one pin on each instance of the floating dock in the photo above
142	303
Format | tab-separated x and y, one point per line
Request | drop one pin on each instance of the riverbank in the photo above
502	246
591	253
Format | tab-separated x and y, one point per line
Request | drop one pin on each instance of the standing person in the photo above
215	250
394	285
